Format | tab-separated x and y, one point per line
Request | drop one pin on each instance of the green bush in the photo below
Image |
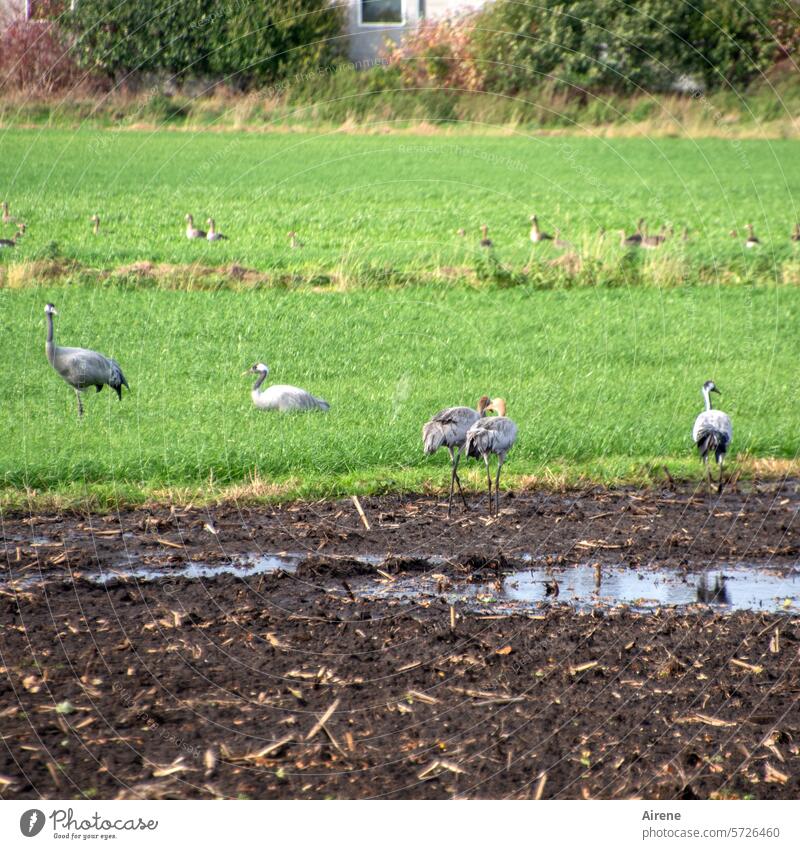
248	41
623	46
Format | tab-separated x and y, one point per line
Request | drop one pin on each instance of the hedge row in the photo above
247	42
624	46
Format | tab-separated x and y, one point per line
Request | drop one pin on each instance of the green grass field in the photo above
377	208
603	380
603	383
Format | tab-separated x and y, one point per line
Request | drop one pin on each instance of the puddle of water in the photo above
733	587
730	588
246	566
35	539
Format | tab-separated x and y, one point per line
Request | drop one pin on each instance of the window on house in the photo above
381	11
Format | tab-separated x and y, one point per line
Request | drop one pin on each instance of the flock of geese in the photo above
640	238
461	430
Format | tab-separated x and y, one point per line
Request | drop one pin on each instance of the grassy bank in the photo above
604	386
372	211
377	100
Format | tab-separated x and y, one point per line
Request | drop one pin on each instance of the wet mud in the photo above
302	651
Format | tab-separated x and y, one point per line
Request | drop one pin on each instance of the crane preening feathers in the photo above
449	427
80	367
284	399
712	432
492	435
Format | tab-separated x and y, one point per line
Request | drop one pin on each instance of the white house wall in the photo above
367	41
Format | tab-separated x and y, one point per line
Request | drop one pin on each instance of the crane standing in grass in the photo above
80	367
713	431
449	428
493	435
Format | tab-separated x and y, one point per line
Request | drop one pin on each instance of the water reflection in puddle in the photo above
245	566
730	588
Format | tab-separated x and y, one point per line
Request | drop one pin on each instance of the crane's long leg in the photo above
497	488
489	481
721	481
80	403
708	474
453	463
458	480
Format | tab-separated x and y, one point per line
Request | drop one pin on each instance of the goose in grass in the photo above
486	242
95	219
796	233
563	244
712	433
538	235
11	243
752	240
213	235
634	239
651	242
80	367
284	399
191	231
7	217
492	435
294	244
449	428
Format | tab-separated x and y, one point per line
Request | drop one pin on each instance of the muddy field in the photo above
135	665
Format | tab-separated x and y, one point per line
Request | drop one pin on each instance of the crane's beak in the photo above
717	391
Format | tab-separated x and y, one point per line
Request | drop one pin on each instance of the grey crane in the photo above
449	428
282	398
713	431
492	435
80	367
